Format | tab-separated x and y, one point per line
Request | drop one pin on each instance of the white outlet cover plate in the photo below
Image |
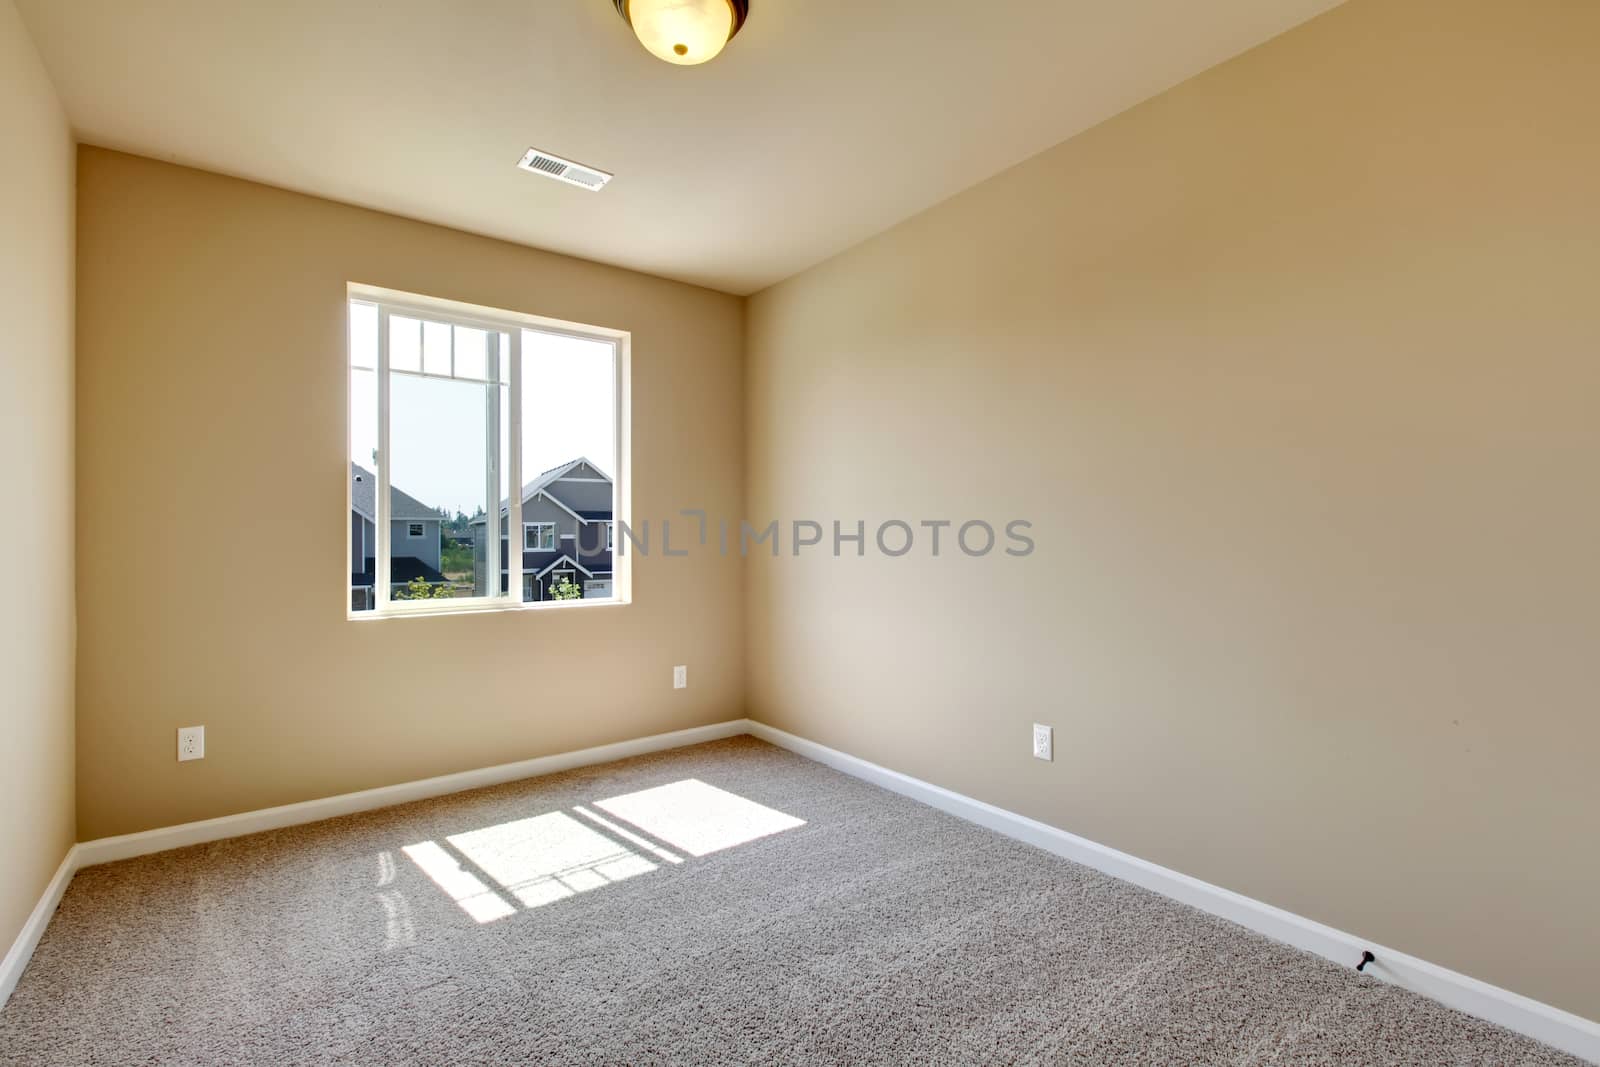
1044	745
191	743
680	677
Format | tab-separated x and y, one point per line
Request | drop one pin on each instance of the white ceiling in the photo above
824	121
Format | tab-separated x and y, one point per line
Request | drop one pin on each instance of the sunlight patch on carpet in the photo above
495	871
698	818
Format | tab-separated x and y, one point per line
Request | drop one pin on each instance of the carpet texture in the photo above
726	903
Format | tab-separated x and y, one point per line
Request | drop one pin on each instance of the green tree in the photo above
455	558
564	588
419	588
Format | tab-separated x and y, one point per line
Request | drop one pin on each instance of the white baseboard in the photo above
1565	1031
27	939
110	849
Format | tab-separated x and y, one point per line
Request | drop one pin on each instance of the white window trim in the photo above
420	535
564	562
554	539
389	301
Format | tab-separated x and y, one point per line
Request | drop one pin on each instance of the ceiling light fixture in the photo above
684	32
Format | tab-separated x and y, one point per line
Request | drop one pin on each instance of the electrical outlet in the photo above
680	677
1044	742
191	743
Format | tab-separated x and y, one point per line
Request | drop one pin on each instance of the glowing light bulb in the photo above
685	32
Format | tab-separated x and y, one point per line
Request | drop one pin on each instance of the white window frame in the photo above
528	526
511	323
420	527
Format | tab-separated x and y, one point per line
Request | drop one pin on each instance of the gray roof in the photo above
544	479
539	564
402	505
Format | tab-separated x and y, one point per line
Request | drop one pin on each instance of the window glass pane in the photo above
405	343
500	371
569	453
436	348
364	336
447	443
472	353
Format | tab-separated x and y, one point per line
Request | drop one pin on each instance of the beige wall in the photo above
35	477
211	380
1295	369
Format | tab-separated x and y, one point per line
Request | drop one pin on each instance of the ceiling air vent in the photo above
537	162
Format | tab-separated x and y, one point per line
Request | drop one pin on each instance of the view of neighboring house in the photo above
566	534
413	540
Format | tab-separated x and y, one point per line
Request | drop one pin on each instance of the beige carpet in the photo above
728	903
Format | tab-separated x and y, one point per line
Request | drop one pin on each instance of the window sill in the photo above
433	612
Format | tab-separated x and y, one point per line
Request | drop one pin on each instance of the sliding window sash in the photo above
504	374
514	536
491	514
382	505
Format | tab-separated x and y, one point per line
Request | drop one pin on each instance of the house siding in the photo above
360	541
542	506
426	549
583	496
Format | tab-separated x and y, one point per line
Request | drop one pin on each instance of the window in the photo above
450	407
